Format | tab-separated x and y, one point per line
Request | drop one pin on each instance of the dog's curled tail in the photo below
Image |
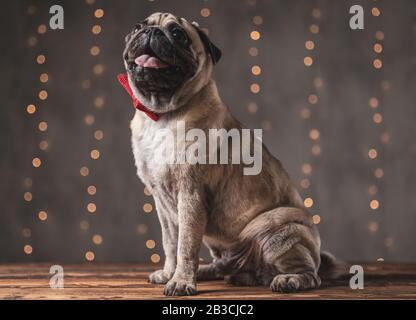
331	268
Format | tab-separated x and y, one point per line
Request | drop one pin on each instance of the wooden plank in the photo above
129	281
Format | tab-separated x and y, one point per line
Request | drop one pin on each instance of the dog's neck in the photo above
203	104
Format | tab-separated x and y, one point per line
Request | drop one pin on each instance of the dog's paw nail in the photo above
180	288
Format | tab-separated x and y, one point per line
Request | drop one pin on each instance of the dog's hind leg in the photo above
287	247
297	271
208	272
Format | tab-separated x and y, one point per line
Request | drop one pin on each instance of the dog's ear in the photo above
210	48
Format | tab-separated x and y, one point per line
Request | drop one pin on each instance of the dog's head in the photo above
168	60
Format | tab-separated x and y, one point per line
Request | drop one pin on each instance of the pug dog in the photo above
255	226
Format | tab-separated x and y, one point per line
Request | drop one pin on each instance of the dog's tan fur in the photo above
256	227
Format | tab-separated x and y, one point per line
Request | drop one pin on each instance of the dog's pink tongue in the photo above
140	61
147	61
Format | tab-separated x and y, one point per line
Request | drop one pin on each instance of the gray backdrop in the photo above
341	174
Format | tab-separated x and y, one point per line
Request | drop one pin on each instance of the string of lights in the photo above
90	122
311	47
142	228
36	111
374	151
255	69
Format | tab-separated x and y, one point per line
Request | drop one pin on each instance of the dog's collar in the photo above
122	78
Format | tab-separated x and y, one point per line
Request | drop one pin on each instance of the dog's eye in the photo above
179	35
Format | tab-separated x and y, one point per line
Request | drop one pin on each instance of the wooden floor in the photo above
129	281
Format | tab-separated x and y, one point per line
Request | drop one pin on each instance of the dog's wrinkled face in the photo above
165	54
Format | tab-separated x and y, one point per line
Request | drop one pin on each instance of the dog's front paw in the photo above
180	287
160	277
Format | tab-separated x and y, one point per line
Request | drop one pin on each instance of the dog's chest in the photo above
150	149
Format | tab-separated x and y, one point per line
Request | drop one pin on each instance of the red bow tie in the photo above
122	78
